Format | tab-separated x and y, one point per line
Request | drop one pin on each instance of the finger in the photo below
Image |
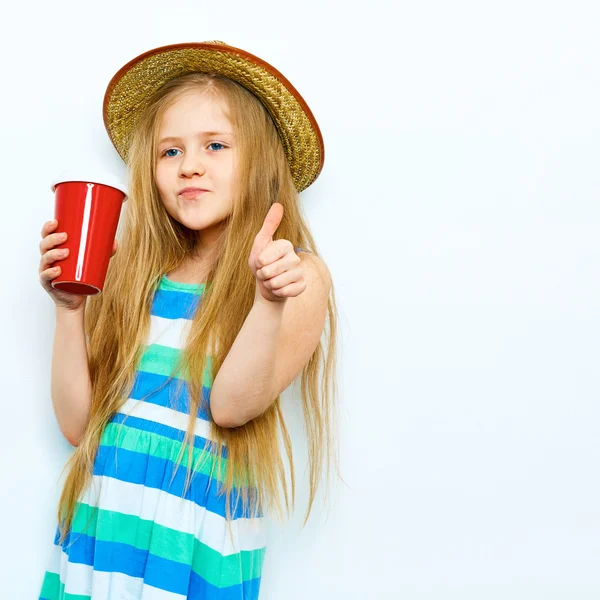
49	226
53	255
271	222
286	262
51	240
285	279
114	248
275	251
49	274
290	291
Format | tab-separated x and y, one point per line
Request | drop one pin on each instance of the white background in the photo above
458	213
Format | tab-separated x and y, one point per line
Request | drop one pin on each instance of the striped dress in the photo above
144	541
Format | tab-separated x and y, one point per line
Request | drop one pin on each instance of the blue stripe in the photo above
200	589
154	472
174	304
148	383
165	574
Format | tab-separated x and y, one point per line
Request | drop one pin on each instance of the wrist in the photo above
269	307
68	313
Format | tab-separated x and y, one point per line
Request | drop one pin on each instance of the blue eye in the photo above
175	149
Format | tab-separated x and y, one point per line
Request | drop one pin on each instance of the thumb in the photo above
270	224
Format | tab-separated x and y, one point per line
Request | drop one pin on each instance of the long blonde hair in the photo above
152	243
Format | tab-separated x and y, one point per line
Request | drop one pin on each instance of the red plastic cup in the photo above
88	209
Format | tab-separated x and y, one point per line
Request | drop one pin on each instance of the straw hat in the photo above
130	89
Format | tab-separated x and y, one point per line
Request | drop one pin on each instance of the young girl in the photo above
215	300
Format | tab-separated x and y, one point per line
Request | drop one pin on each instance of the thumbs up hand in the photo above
275	265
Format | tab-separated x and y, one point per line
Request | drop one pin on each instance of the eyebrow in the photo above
199	134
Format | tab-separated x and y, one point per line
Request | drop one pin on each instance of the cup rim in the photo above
99	177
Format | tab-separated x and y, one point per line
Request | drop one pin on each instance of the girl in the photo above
214	303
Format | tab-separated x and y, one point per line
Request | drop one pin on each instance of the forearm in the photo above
244	384
71	387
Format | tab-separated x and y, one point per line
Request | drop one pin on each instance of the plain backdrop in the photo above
458	211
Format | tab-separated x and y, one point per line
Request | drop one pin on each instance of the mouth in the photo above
191	194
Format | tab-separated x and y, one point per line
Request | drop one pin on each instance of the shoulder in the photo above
316	270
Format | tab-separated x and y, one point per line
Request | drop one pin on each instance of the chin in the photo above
196	225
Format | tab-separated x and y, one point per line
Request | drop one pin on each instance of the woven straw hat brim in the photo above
131	88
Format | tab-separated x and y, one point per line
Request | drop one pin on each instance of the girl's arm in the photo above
71	387
274	344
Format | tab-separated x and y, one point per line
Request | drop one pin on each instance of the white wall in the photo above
458	212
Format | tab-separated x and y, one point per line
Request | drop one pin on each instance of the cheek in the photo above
162	179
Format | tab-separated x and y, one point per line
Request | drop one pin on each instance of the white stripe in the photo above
54	560
173	333
176	513
87	209
165	416
168	332
101	585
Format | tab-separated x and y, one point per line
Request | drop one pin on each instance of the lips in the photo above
190	193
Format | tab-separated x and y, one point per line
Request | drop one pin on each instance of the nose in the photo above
191	165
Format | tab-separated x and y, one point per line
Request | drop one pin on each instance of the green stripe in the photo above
53	589
121	435
164	542
162	360
190	288
50	586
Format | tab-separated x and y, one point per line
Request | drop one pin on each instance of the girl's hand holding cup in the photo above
87	207
49	269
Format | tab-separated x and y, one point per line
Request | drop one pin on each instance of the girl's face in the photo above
196	149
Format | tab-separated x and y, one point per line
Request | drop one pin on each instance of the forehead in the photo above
195	111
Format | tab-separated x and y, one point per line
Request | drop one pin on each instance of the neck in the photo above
207	242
